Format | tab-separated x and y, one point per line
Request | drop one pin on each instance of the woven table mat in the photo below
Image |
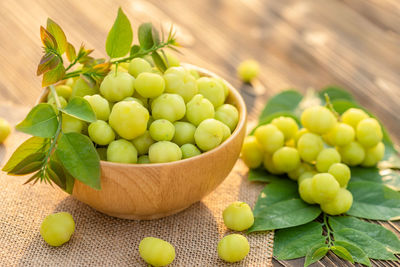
100	240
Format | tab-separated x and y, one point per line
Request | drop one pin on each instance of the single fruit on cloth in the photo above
287	126
57	229
168	106
156	252
318	119
341	172
270	137
252	152
199	109
149	85
324	188
286	159
5	129
164	151
121	151
116	87
101	133
369	132
129	119
162	130
340	204
208	134
248	70
233	248
238	216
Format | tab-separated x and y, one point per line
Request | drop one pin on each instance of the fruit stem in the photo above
330	106
328	231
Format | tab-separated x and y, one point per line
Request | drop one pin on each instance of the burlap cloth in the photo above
100	240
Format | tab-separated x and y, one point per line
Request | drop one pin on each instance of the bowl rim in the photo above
241	123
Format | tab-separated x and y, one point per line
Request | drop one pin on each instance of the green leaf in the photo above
48	62
261	175
31	146
134	50
374	231
80	108
59	175
387	177
343	253
54	75
315	253
295	242
357	253
278	190
286	101
29	164
58	35
158	61
284	214
120	37
374	201
48	39
335	93
70	52
145	35
373	248
79	157
41	121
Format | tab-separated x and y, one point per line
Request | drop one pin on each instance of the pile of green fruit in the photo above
318	155
145	116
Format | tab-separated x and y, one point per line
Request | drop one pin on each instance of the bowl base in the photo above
145	217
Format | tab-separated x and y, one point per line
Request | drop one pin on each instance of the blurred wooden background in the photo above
299	44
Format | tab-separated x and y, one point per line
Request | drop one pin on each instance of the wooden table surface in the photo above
299	44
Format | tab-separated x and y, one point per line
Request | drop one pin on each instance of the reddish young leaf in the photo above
58	35
70	52
48	62
53	76
47	38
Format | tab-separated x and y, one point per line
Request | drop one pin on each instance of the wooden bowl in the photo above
151	191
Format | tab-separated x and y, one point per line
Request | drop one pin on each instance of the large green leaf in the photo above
29	164
145	35
343	253
388	177
41	121
80	108
373	248
295	242
284	214
120	37
335	93
278	190
261	175
374	201
31	146
286	101
357	253
79	157
374	231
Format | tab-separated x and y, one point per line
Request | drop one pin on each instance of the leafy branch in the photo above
118	45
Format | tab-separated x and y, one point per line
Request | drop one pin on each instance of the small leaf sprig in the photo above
58	157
